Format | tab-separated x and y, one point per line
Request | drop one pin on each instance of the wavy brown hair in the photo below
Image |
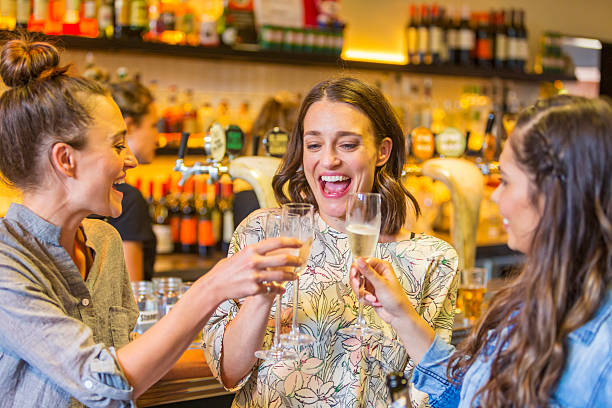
565	145
371	102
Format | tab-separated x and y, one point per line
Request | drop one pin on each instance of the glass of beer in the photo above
472	288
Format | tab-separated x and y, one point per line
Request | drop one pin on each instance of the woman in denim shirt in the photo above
546	338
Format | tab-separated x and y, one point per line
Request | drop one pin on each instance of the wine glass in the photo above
278	351
298	222
362	227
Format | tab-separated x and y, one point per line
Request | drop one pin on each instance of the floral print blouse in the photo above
339	370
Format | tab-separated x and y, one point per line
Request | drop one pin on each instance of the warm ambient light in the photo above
384	57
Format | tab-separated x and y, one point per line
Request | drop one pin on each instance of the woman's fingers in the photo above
270	244
276	276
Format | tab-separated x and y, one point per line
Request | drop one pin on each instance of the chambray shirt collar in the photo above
37	226
586	333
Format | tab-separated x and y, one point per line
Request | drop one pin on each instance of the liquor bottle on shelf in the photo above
106	19
161	220
174	212
8	14
167	17
40	10
72	18
22	15
452	36
154	22
513	41
190	117
55	18
205	228
522	46
186	23
501	41
443	24
138	20
122	18
466	38
423	56
412	36
89	20
435	35
215	215
226	205
189	221
489	146
484	42
399	390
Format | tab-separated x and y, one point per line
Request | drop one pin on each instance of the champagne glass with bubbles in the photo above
362	227
298	222
279	351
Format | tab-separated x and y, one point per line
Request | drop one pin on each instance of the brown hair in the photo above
387	182
43	106
133	98
279	110
565	145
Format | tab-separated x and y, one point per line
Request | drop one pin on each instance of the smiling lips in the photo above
334	186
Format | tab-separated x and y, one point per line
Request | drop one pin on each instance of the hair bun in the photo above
24	61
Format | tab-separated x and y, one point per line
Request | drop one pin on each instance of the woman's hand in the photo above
382	290
253	270
384	293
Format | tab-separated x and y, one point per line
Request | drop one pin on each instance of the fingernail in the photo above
361	262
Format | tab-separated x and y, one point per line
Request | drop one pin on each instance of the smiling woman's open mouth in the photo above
334	186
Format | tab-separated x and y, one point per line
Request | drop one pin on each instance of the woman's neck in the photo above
57	211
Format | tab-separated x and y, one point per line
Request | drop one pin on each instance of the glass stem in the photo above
277	323
296	292
360	320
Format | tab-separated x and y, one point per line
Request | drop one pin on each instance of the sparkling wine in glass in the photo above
279	351
298	222
363	228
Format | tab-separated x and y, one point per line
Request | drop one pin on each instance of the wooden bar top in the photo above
189	379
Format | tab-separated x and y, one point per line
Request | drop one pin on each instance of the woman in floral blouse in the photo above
347	139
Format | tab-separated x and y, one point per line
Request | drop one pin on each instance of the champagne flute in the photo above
278	351
298	222
362	227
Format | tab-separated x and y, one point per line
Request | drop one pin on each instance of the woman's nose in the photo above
330	158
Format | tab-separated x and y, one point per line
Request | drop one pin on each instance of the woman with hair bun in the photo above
347	139
66	306
545	339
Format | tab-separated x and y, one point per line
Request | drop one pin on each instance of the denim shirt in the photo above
58	332
586	381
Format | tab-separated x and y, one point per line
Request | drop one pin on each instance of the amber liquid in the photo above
469	300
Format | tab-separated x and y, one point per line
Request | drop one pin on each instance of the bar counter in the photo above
190	379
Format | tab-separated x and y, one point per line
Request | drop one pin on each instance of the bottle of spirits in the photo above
22	16
205	229
423	56
40	10
189	221
466	38
501	41
399	390
521	35
72	18
513	41
89	19
161	220
106	19
55	18
226	204
122	18
139	20
484	42
8	14
412	36
435	35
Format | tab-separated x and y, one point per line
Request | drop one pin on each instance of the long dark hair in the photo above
43	105
565	145
387	182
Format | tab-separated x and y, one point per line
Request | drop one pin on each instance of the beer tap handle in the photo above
183	145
